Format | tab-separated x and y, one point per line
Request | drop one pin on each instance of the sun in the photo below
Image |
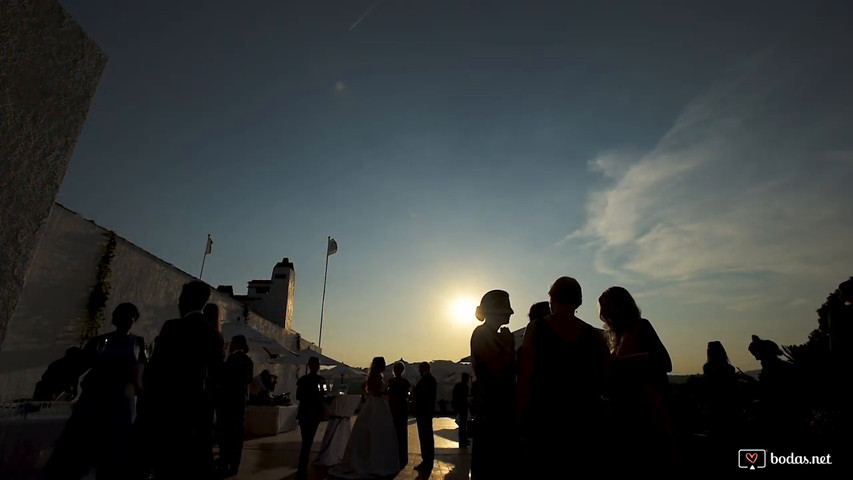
462	309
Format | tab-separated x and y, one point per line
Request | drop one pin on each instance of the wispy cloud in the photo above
738	186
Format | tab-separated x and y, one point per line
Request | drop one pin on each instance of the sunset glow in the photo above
462	309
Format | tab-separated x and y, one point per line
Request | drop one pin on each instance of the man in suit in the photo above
177	412
310	411
425	393
460	406
398	399
231	405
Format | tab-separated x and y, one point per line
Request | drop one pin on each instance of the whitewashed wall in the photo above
52	304
49	70
53	301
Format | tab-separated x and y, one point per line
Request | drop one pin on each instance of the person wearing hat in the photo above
231	405
494	362
782	409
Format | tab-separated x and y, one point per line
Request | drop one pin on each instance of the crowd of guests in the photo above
162	415
378	444
570	394
596	395
574	394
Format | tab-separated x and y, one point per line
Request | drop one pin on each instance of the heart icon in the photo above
752	457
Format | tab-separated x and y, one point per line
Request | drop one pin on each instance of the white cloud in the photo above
735	187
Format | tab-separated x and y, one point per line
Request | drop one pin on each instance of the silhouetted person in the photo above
231	405
213	314
782	417
179	385
722	396
372	446
309	393
425	393
494	362
98	433
398	401
460	406
538	311
61	377
262	389
638	387
560	385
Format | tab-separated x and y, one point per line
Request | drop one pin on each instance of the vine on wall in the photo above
100	292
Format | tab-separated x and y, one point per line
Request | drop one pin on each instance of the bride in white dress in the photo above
372	447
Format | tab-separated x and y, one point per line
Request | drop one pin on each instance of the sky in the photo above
697	153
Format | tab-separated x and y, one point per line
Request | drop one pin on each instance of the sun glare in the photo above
462	309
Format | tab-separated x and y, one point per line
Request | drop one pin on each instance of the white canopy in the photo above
257	341
344	370
301	358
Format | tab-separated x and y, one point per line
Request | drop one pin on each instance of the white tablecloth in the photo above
26	444
270	420
334	444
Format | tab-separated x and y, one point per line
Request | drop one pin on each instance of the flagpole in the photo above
206	247
323	304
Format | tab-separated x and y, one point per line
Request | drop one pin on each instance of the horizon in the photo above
697	157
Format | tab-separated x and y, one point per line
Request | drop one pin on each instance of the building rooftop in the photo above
285	263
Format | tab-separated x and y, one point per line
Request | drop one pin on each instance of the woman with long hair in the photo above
724	406
638	385
372	447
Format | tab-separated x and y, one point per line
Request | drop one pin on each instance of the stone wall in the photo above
49	70
51	310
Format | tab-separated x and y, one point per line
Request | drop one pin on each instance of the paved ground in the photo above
275	458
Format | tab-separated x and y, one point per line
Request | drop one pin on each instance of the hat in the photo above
495	301
762	349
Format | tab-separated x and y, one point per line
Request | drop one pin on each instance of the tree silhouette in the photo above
812	358
813	361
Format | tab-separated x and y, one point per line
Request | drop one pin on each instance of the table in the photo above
272	420
26	443
334	444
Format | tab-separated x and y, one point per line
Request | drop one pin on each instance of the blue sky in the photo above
697	154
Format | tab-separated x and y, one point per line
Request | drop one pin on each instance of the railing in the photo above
24	409
28	432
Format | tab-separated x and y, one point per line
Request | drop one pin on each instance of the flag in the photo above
209	247
333	247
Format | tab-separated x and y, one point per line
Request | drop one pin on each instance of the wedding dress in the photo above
372	447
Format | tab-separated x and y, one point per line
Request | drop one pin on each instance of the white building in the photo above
52	314
272	299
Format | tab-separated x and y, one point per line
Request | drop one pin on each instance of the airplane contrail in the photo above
365	14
